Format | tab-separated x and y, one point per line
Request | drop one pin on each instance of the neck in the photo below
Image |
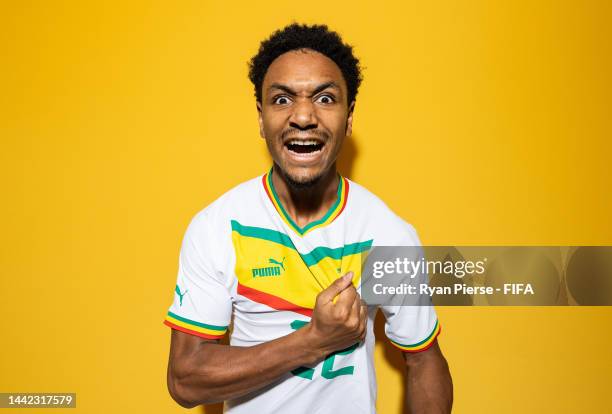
306	204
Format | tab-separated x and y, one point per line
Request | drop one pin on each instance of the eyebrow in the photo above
318	89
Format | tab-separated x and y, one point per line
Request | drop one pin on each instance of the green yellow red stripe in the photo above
314	256
274	302
195	328
334	211
424	344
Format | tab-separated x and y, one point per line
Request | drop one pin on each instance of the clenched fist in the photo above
338	324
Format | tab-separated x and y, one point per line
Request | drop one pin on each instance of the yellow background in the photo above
479	122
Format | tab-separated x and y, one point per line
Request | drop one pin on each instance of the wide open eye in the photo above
325	99
281	100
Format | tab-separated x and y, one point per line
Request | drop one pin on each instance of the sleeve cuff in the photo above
194	328
420	346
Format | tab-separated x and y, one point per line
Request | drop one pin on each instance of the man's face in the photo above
304	115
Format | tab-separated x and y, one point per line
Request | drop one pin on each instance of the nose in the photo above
303	115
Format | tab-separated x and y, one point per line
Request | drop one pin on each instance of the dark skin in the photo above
304	96
203	372
304	99
429	386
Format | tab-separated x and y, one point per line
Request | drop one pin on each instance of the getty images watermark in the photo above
500	276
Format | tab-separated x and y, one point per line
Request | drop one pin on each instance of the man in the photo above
280	256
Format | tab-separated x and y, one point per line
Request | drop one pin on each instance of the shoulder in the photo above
207	240
232	203
209	230
387	227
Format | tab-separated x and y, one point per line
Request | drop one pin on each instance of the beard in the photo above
296	181
299	183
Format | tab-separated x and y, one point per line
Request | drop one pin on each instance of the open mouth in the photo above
304	146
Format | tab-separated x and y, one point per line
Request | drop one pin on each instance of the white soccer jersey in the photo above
243	256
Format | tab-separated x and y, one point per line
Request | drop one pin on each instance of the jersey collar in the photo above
333	212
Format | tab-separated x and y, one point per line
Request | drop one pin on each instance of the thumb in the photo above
335	288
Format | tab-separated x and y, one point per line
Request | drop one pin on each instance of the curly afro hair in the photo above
301	36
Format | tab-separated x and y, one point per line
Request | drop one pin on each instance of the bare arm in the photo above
202	371
429	386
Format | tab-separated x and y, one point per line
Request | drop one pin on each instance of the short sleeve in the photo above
411	328
202	303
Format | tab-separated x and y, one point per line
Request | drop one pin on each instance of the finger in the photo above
335	288
356	308
364	321
347	297
363	311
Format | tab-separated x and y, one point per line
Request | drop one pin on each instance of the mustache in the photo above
293	132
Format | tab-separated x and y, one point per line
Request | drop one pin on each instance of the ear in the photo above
260	119
349	119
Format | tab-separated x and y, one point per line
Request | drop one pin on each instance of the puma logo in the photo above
178	292
276	262
270	270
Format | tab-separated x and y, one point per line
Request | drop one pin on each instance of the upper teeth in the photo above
303	142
